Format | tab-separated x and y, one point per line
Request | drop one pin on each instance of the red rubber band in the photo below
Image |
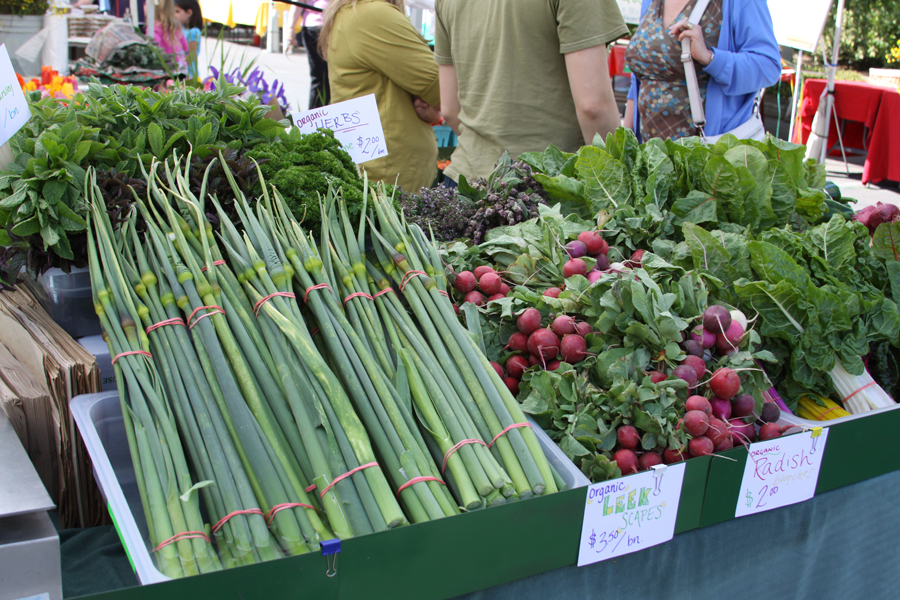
260	303
345	475
215	263
223	520
457	447
175	321
444	293
830	410
508	429
213	310
417	480
408	277
310	488
859	390
357	295
318	286
184	535
384	291
314	332
279	507
131	353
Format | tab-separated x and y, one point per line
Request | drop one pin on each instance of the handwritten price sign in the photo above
356	124
12	99
782	471
630	514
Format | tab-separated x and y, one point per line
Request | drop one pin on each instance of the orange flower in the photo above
47	74
21	81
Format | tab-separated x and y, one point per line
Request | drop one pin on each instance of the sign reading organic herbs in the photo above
355	123
781	471
13	103
631	10
629	514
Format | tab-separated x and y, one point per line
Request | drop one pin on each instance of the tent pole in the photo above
796	97
831	69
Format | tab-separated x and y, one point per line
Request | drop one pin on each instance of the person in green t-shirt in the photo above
519	75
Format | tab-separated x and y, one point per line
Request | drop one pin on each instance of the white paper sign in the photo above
782	471
12	99
629	514
356	124
631	10
799	23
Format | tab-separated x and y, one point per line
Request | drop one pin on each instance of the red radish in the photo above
743	433
742	405
635	261
499	369
725	383
686	373
716	318
576	249
479	271
512	385
594	243
553	292
475	298
706	338
627	461
493	297
544	342
693	348
563	324
456	309
731	339
739	318
672	455
698	403
770	413
697	364
628	436
602	263
769	431
516	365
594	276
464	282
534	360
574	266
649	459
573	348
490	283
696	422
553	365
657	376
727	443
529	321
518	342
721	408
718	431
583	328
504	289
700	446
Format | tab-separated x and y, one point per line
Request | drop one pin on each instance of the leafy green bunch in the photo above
118	129
304	166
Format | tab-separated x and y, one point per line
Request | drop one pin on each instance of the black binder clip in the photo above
331	548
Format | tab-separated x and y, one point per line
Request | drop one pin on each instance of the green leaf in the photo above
49	235
645	422
53	190
697	207
572	448
561	187
605	182
28	227
885	242
82	150
708	253
155	137
14	200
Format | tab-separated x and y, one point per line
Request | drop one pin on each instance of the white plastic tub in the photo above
99	418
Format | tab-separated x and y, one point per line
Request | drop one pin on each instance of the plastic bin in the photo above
67	298
99	418
96	345
445	136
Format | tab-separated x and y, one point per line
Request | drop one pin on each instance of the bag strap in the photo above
690	73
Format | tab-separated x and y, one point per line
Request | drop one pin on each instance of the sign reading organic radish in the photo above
629	514
13	103
355	123
782	471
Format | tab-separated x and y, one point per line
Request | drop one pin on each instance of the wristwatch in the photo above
712	56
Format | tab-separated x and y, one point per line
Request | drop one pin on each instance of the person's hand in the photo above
682	29
426	112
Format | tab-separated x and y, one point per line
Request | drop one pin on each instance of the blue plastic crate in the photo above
445	136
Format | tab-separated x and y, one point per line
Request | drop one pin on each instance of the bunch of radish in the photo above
484	285
547	347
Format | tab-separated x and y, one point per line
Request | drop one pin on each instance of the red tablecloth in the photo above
616	60
861	105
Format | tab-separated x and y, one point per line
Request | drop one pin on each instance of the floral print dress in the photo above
654	57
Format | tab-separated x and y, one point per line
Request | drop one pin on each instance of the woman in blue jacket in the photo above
735	55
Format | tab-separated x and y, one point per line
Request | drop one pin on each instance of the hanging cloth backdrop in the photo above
242	12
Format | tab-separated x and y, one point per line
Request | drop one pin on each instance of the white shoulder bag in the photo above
751	129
